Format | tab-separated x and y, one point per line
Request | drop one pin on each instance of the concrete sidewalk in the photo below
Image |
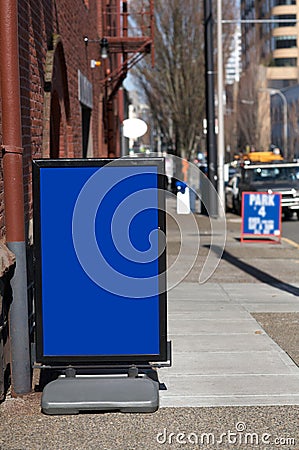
221	355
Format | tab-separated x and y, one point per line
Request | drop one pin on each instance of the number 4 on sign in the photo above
262	211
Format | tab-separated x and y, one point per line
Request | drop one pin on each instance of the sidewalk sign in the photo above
261	217
183	198
100	285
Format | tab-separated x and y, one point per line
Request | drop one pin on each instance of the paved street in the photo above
230	386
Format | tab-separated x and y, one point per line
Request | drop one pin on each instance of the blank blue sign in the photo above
99	282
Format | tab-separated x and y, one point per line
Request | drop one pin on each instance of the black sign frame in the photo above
97	359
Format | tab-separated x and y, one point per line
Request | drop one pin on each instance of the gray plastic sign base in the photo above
71	395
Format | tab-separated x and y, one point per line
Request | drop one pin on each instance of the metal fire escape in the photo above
128	35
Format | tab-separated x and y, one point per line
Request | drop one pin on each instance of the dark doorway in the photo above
86	115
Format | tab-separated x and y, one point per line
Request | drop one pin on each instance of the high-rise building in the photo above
270	38
270	68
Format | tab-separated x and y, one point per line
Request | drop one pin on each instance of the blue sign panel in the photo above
100	254
261	214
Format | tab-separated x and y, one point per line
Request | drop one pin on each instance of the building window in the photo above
284	2
291	17
285	42
285	62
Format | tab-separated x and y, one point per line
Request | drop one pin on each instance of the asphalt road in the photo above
290	229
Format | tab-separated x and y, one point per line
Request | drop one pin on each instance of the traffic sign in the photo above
261	216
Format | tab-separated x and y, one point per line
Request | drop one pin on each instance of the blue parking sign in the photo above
261	214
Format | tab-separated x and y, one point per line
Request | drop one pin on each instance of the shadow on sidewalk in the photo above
257	273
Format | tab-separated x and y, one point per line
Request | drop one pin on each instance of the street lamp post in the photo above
285	119
273	91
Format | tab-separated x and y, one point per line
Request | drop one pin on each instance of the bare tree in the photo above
175	87
253	109
247	110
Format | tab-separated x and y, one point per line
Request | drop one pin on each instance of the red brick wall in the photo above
39	22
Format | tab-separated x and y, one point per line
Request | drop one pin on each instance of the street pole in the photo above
210	108
221	203
273	91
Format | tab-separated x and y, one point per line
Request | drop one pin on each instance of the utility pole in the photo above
221	156
210	108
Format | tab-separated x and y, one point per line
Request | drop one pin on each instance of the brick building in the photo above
66	108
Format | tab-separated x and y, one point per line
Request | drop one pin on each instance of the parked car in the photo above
232	193
276	177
